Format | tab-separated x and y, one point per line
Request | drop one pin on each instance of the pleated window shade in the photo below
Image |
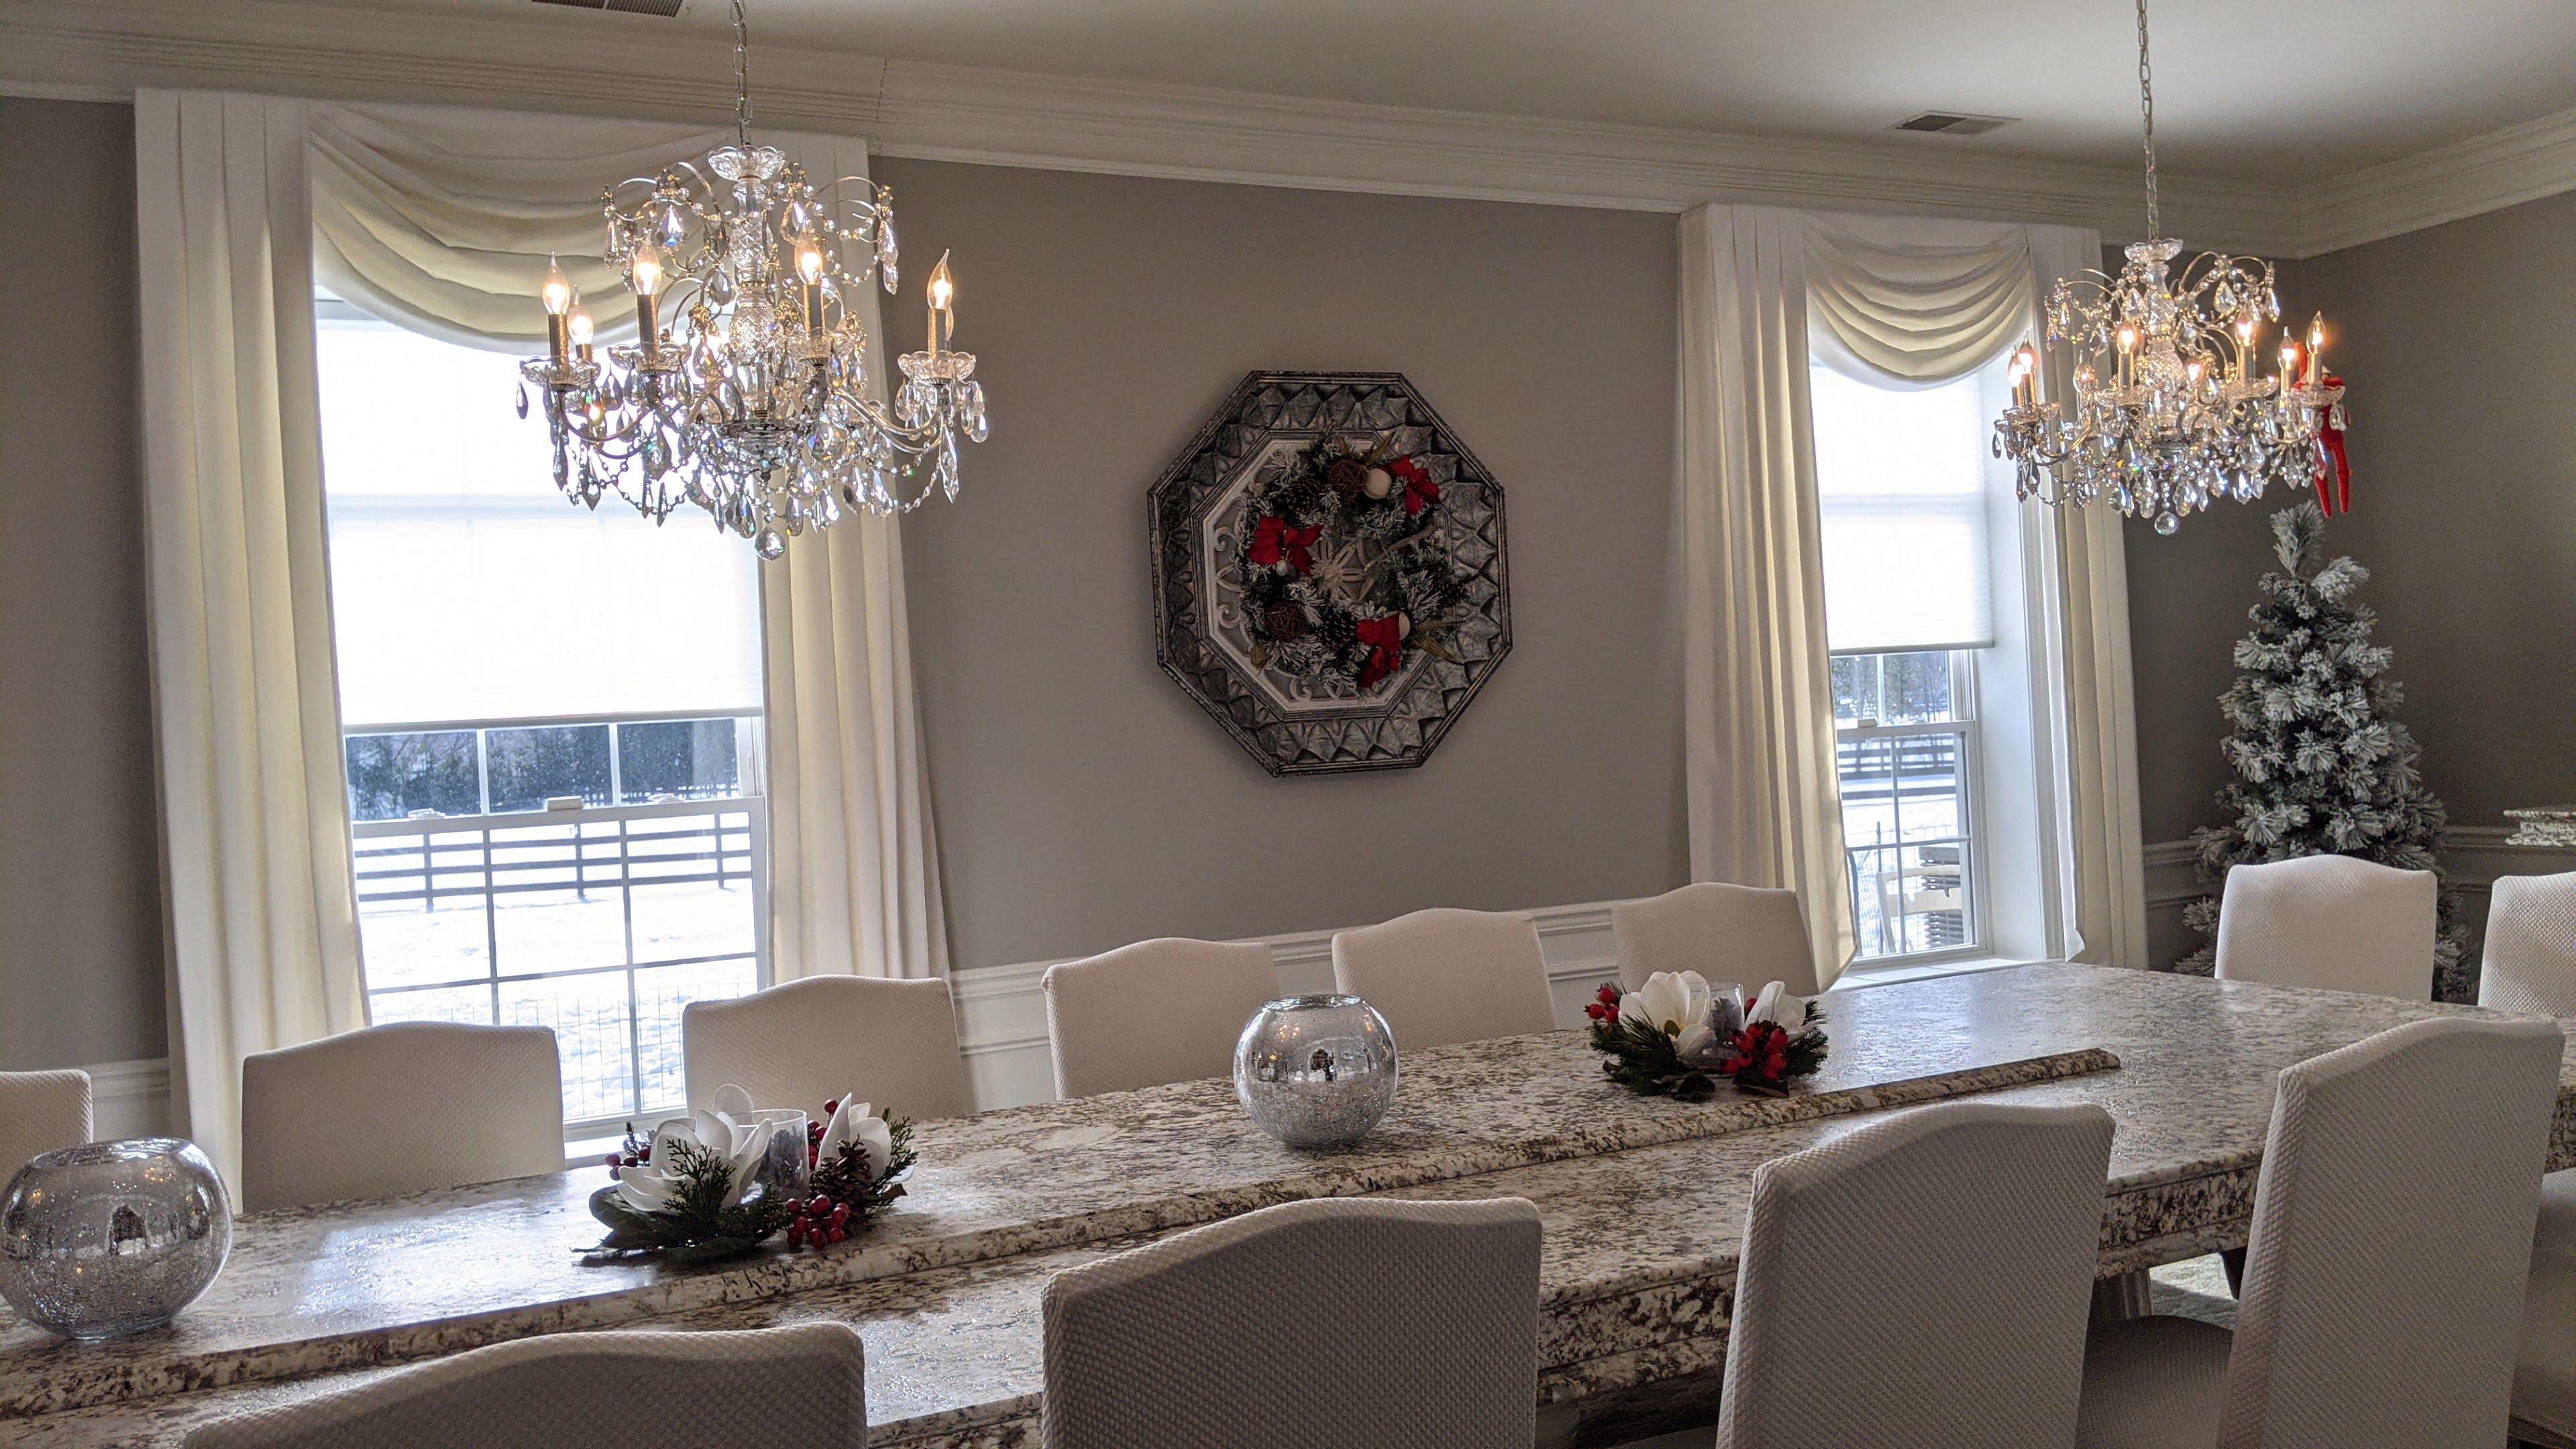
466	589
1900	478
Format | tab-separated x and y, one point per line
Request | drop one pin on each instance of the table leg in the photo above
2124	1297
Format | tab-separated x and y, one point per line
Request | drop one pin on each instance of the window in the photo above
551	727
1905	505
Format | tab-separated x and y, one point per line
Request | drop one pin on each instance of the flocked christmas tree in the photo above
2322	767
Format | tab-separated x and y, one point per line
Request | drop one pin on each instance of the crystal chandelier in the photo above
751	401
2172	409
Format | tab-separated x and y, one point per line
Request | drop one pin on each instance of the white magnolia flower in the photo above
1777	1005
652	1185
1669	1001
852	1122
1698	1045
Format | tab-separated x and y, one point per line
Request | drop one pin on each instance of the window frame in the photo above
1964	727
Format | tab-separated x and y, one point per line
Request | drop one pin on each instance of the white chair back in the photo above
1442	975
1158	1011
1921	1281
40	1111
2392	1233
800	1387
1744	934
2331	921
400	1108
2531	948
803	1043
1360	1323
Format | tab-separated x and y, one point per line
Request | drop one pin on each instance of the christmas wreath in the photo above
1346	569
1675	1037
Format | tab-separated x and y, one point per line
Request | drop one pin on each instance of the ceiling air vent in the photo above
664	8
1952	123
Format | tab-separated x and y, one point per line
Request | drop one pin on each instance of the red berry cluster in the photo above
1761	1054
1604	1008
814	1133
635	1155
819	1221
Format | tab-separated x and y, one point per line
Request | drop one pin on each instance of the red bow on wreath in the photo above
1385	640
1419	491
2334	470
1273	540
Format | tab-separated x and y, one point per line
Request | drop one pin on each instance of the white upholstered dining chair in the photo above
800	1044
799	1387
2384	1281
2332	921
1158	1011
1743	934
1443	975
40	1111
2530	966
1360	1323
400	1108
1921	1281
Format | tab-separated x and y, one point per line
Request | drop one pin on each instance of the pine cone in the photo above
1347	476
1286	622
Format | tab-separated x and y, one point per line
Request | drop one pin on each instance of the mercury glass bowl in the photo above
112	1237
1316	1071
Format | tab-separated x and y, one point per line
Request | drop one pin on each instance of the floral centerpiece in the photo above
1676	1036
720	1181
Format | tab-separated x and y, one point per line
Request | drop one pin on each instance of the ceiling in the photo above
2246	89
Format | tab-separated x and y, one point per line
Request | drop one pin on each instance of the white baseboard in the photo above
1001	1010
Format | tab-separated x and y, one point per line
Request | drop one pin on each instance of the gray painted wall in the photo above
80	879
1083	800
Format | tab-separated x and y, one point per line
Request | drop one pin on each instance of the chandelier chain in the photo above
742	78
2146	115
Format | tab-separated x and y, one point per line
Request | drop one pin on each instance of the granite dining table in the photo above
1642	1200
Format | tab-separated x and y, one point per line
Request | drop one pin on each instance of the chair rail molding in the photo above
104	49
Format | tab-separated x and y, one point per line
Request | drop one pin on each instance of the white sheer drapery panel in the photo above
853	852
2080	567
442	219
263	919
1763	803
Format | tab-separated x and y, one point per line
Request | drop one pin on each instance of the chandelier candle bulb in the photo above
940	292
578	327
2316	348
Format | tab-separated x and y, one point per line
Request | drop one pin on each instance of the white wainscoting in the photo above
2473	854
1001	1011
129	1099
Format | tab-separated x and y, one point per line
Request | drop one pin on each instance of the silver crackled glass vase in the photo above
1316	1071
111	1238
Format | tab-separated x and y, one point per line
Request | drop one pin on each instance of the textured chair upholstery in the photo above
894	1043
2332	921
1442	976
1922	1281
2384	1282
2530	960
40	1111
801	1387
2531	967
399	1108
1743	934
1158	1011
1356	1323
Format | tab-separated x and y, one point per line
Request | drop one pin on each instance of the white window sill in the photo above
1888	973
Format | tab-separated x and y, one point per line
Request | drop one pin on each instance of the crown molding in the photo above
2481	174
543	58
627	65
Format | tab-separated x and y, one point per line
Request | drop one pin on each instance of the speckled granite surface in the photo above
1640	1244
